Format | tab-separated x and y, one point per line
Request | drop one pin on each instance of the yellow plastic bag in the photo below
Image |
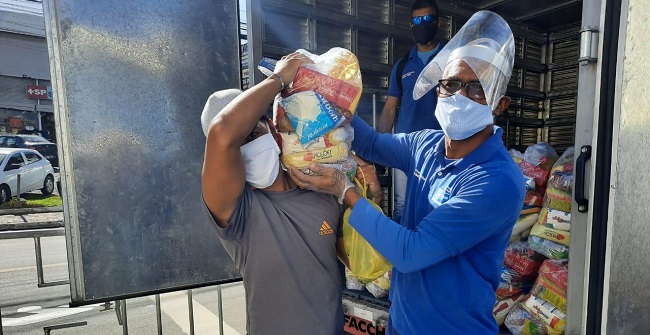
365	262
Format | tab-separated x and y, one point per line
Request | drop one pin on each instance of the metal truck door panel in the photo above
627	275
130	81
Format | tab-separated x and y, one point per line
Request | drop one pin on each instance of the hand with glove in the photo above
324	179
367	174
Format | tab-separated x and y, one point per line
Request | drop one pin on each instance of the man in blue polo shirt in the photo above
401	110
464	194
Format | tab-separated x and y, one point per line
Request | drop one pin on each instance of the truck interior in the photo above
543	86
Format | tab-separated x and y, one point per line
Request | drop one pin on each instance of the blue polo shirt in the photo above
413	115
458	216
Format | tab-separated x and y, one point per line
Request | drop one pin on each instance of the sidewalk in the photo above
27	219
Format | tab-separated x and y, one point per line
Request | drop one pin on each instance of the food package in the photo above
557	271
543	310
510	289
503	307
291	141
537	164
310	115
301	160
366	264
557	219
280	118
547	291
335	75
557	200
560	183
379	287
348	166
554	235
351	282
533	198
523	225
548	248
516	155
520	322
523	260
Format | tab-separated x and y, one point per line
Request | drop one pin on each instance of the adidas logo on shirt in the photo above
325	229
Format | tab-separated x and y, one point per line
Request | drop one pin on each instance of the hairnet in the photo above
216	102
486	44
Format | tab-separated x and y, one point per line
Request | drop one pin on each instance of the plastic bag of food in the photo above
379	287
556	271
537	164
310	115
509	289
351	282
520	322
291	141
561	177
521	259
523	225
365	262
503	307
548	248
551	234
544	311
557	200
301	160
516	155
335	75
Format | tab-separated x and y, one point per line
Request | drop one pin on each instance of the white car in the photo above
35	172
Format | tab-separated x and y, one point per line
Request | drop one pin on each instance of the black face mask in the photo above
425	32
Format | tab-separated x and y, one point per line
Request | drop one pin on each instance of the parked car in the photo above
35	142
36	173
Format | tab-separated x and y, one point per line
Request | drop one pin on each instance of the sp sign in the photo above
38	92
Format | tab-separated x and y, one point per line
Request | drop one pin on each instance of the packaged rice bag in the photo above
379	287
523	260
554	235
548	248
503	307
543	310
334	154
351	282
557	219
310	115
547	291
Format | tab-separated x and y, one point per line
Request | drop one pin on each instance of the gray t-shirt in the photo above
284	245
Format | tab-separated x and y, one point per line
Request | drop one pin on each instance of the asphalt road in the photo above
26	309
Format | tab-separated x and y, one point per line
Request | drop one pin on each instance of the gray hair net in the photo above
486	44
215	104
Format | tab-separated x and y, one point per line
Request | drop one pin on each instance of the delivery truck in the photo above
579	81
574	60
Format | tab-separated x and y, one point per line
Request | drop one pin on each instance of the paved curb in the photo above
33	210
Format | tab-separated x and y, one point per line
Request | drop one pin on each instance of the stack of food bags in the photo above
312	113
517	276
550	234
535	163
543	311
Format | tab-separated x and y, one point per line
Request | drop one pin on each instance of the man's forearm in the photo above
386	121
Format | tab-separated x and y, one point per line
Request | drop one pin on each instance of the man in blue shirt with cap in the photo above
464	194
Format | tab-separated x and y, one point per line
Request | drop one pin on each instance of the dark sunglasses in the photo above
428	18
474	90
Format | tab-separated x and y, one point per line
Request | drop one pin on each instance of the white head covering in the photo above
215	104
486	44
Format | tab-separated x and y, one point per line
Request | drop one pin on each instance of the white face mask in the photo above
261	161
461	117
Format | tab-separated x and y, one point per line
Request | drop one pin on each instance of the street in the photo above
26	309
